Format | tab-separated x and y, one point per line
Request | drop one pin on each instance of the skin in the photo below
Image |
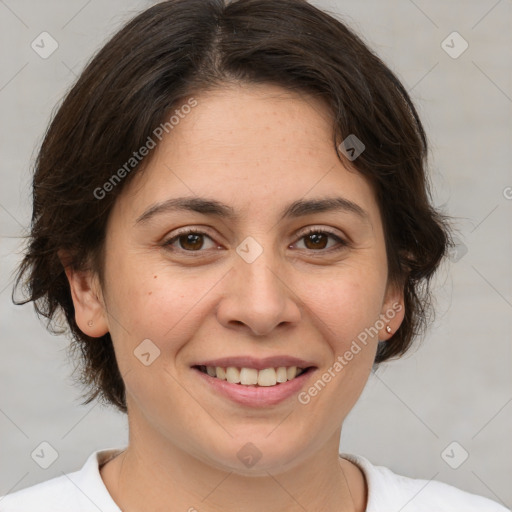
256	149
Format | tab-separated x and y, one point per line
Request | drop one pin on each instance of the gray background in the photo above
455	387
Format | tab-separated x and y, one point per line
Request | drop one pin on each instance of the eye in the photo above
319	240
190	240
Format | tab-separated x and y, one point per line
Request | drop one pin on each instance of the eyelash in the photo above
191	231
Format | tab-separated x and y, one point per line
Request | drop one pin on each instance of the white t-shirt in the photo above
84	491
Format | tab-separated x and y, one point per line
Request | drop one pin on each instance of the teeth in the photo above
267	377
233	375
291	372
248	376
281	374
251	376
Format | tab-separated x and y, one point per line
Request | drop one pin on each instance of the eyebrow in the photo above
215	208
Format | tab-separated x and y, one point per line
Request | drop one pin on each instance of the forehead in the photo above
255	147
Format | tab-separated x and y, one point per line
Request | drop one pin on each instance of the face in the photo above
245	243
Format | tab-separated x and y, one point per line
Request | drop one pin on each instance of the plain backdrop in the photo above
455	388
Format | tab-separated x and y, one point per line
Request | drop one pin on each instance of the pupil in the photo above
318	240
191	241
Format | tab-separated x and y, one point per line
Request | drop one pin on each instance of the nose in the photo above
258	298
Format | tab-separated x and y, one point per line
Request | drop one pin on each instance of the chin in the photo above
257	454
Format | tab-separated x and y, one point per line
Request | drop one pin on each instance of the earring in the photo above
388	329
90	323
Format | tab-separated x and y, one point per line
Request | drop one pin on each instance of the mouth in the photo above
254	382
247	376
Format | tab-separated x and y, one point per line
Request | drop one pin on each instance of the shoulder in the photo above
390	491
80	490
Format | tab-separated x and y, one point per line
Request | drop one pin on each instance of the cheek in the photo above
342	309
153	300
345	304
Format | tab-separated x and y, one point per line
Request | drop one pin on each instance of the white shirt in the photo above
84	491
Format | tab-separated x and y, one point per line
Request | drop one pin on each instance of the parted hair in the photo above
181	47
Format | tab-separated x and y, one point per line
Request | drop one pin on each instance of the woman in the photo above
231	210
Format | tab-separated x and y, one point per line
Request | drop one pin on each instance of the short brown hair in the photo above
180	47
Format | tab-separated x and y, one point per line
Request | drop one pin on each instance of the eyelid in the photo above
323	229
200	230
315	228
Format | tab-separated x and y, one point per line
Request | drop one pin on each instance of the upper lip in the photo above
256	363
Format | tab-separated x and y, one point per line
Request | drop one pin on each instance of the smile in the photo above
265	377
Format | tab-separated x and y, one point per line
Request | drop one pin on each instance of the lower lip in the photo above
256	396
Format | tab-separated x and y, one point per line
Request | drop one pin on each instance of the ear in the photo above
90	312
393	310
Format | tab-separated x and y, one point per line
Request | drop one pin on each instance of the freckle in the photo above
149	293
154	277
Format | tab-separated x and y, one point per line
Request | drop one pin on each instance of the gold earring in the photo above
388	329
90	323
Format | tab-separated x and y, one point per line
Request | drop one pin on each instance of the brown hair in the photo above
180	47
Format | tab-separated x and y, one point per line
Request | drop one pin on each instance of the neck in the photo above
147	476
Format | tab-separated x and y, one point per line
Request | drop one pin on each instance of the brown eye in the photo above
321	241
316	241
190	241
